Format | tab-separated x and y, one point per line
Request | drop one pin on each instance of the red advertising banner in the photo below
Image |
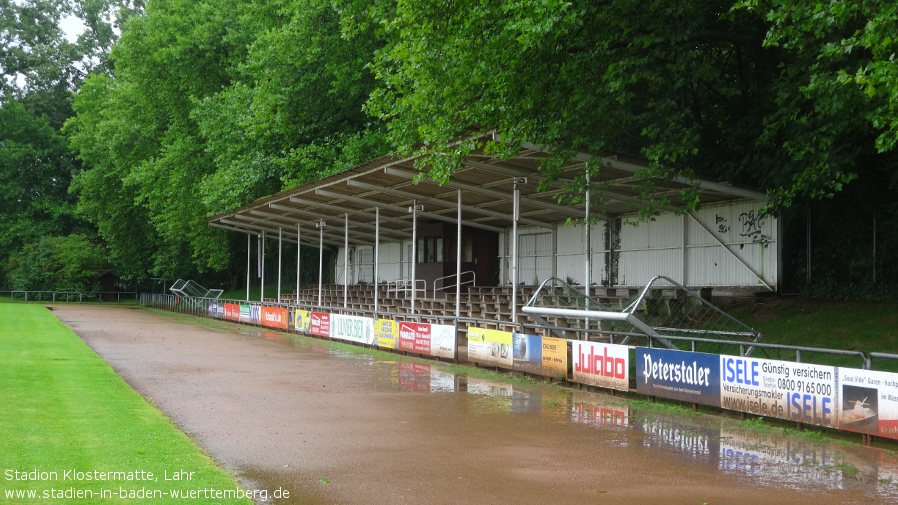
274	317
321	324
414	337
232	311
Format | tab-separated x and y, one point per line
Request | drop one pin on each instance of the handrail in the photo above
402	285
459	282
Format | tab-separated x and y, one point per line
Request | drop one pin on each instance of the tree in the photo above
69	263
694	87
210	105
39	68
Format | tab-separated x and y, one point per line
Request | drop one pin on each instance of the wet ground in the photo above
331	426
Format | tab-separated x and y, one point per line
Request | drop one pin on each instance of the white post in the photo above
588	272
376	257
297	263
280	258
414	210
514	248
262	294
320	226
249	248
346	261
458	264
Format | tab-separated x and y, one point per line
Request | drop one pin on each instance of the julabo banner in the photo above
603	365
687	376
869	402
800	392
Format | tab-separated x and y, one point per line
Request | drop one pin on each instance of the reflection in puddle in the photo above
764	455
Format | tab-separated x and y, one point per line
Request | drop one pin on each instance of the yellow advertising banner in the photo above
387	332
302	320
554	357
490	346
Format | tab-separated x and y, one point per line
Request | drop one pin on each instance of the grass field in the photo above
70	425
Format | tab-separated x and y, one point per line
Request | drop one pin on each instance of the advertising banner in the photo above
387	333
687	376
442	340
274	317
255	314
232	311
244	313
321	324
302	320
869	402
603	365
555	357
800	392
216	309
352	328
414	337
539	355
527	353
492	347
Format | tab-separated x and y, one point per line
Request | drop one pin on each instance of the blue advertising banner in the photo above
216	309
687	376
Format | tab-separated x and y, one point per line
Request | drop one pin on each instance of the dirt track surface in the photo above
336	429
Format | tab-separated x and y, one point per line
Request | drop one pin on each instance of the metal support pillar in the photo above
346	261
262	273
280	259
298	247
376	259
414	212
249	248
458	265
514	248
320	225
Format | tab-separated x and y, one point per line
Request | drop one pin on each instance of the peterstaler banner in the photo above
352	328
687	376
492	347
603	365
799	392
869	402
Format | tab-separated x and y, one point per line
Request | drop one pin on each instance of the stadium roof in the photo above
486	185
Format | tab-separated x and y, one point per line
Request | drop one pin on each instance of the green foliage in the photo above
212	105
57	264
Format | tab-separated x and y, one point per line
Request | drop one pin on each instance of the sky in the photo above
72	26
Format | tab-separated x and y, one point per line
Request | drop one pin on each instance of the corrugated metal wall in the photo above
725	245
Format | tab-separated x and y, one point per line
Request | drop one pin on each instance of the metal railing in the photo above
459	281
200	307
68	296
404	286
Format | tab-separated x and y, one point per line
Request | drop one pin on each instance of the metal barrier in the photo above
200	307
69	296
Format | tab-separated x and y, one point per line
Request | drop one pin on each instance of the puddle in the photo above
763	456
